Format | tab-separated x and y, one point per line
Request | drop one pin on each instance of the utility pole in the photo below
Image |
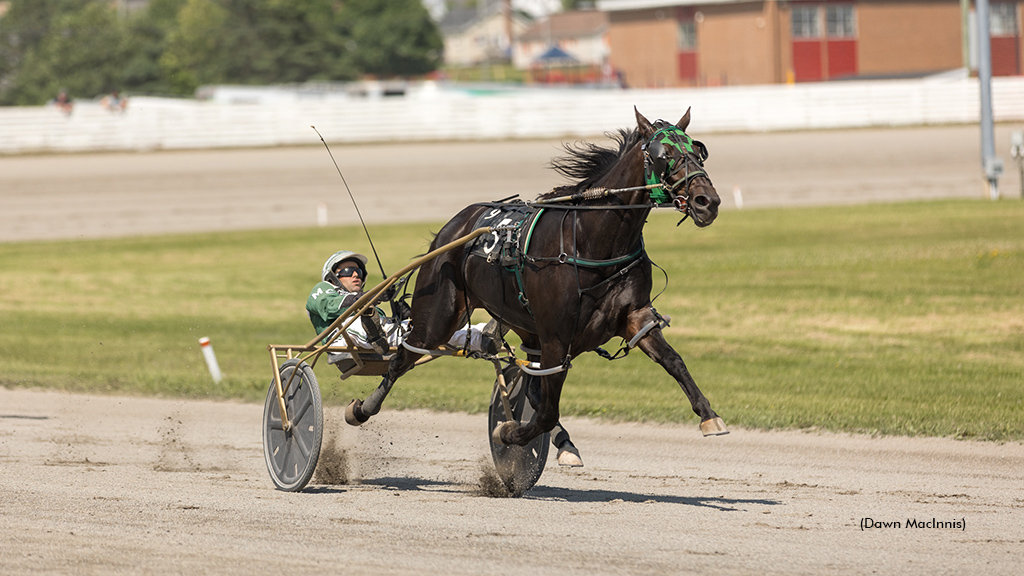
992	164
965	33
481	16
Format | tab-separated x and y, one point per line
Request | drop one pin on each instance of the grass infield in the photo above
889	319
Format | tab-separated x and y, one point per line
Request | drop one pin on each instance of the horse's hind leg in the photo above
654	345
359	411
437	313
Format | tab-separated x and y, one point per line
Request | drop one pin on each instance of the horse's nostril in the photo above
702	201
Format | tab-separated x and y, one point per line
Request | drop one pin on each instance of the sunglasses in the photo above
350	271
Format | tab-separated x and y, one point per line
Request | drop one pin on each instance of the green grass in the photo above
888	319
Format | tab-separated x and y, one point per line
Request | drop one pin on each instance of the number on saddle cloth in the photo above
502	245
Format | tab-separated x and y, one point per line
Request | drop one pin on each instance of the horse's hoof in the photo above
569	456
713	427
503	429
354	413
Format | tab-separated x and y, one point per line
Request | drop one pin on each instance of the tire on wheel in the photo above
518	467
292	454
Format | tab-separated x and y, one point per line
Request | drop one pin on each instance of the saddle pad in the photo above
502	246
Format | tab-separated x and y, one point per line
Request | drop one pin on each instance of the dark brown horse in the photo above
570	272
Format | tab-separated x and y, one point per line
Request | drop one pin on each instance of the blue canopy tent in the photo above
555	56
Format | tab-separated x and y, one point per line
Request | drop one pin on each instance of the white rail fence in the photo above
434	113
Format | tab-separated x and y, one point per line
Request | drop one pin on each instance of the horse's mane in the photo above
587	162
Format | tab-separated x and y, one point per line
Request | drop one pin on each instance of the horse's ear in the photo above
643	124
684	121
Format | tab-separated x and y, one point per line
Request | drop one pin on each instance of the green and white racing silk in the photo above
326	302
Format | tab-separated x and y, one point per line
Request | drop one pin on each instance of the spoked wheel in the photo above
519	467
292	454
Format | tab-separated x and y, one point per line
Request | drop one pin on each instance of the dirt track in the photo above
108	485
97	485
125	194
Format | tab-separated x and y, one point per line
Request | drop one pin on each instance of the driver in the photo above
342	281
341	285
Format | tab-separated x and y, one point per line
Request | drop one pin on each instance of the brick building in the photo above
675	43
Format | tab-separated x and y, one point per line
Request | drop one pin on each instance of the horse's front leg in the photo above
654	345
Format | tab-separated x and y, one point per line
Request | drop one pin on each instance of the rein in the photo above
660	193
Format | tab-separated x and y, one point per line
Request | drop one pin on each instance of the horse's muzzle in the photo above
703	206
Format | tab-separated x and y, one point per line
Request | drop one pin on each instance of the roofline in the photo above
622	5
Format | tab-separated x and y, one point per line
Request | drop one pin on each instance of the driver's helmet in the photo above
340	256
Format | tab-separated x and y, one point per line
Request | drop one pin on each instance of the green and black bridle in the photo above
661	167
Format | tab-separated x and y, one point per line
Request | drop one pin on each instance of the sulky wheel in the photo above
519	467
292	454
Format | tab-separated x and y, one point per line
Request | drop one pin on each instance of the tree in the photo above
393	37
292	41
174	46
73	45
198	50
148	34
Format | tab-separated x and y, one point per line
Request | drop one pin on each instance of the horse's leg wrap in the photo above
359	411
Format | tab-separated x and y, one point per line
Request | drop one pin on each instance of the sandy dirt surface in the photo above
114	485
126	194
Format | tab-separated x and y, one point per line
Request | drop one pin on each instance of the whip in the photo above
358	213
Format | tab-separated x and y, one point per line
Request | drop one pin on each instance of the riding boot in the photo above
374	333
492	337
400	310
492	329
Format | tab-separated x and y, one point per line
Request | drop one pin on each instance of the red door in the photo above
807	60
1005	39
842	58
1004	56
824	40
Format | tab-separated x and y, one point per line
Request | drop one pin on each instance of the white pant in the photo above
395	333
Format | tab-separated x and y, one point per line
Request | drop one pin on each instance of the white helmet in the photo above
341	256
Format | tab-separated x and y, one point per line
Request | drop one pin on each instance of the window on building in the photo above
687	36
806	22
1002	19
839	21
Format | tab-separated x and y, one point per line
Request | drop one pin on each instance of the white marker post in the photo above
737	196
211	359
321	214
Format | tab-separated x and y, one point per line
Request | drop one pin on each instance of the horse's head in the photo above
676	162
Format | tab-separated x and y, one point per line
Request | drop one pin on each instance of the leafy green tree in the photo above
174	46
291	41
77	46
148	33
22	30
197	50
393	37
